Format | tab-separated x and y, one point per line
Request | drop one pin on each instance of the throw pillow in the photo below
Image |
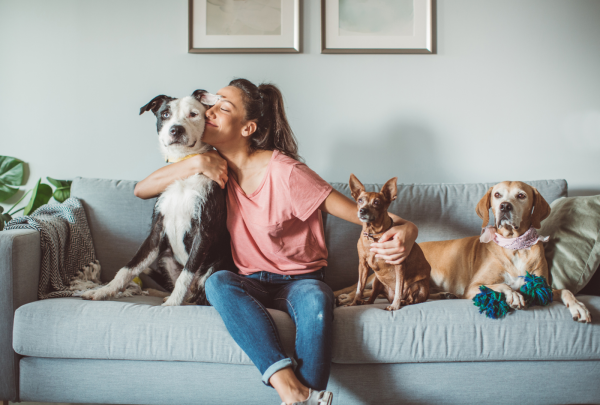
573	251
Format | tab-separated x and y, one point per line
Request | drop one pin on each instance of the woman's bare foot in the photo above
288	387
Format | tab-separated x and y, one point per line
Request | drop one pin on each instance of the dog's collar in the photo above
525	241
175	160
372	236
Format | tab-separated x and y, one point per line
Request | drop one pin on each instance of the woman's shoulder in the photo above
285	160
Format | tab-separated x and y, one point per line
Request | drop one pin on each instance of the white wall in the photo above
513	92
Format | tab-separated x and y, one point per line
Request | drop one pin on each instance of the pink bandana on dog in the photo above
525	241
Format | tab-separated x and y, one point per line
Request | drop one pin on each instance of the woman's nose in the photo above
209	113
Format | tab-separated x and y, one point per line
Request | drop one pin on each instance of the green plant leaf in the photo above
63	189
6	192
42	193
59	183
11	176
62	193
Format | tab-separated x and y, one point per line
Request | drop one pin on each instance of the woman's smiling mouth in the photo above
212	124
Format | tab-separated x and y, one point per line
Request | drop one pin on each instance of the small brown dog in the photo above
403	284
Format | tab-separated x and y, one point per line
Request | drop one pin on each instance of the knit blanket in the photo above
69	265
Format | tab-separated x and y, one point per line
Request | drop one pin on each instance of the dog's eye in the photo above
360	200
193	114
521	196
166	114
376	202
497	195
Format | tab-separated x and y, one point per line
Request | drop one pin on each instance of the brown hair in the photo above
264	104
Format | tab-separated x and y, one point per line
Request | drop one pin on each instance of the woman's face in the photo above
225	121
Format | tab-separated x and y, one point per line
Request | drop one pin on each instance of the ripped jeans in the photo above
242	301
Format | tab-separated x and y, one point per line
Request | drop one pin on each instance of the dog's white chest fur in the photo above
179	204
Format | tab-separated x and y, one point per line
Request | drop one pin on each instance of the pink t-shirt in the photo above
279	228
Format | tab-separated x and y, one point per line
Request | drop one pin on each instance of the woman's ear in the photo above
249	128
483	208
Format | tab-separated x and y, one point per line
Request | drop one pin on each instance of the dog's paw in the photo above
355	303
166	298
343	299
393	307
579	312
515	300
170	302
97	295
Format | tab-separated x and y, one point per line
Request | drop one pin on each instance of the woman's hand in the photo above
213	166
395	245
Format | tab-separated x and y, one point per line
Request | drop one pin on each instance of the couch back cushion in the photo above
440	211
119	221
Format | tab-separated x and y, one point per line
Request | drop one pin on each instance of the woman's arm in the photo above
211	164
394	245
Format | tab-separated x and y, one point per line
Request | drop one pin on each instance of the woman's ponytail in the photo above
264	104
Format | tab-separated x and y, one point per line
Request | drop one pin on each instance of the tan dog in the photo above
460	266
402	284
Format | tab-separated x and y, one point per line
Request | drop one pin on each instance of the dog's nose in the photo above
505	207
176	131
362	211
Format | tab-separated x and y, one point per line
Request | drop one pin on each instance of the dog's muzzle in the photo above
365	215
176	134
505	216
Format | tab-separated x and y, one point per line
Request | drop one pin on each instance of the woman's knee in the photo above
315	299
219	282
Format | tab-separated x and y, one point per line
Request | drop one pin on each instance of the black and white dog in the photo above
189	232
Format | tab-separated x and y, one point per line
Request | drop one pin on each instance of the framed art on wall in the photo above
244	26
378	26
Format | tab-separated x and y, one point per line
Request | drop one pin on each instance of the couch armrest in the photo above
20	258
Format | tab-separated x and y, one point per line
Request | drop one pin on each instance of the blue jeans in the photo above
242	301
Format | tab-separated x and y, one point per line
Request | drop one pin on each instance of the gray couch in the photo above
133	351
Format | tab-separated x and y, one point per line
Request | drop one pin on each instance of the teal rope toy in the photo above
535	290
491	302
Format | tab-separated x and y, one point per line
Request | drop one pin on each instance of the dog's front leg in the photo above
363	271
399	288
579	312
195	263
514	299
346	296
145	255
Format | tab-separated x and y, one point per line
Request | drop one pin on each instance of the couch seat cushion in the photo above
135	328
453	330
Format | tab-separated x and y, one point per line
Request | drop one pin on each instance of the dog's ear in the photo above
356	187
390	189
205	97
483	208
541	209
155	104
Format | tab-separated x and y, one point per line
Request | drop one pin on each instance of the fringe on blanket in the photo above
69	265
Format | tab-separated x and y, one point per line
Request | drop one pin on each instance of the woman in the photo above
277	238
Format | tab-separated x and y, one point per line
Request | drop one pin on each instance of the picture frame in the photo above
250	26
388	26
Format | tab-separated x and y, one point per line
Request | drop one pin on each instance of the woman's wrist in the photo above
196	165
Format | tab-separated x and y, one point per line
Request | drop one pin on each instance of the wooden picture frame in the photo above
244	27
342	30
